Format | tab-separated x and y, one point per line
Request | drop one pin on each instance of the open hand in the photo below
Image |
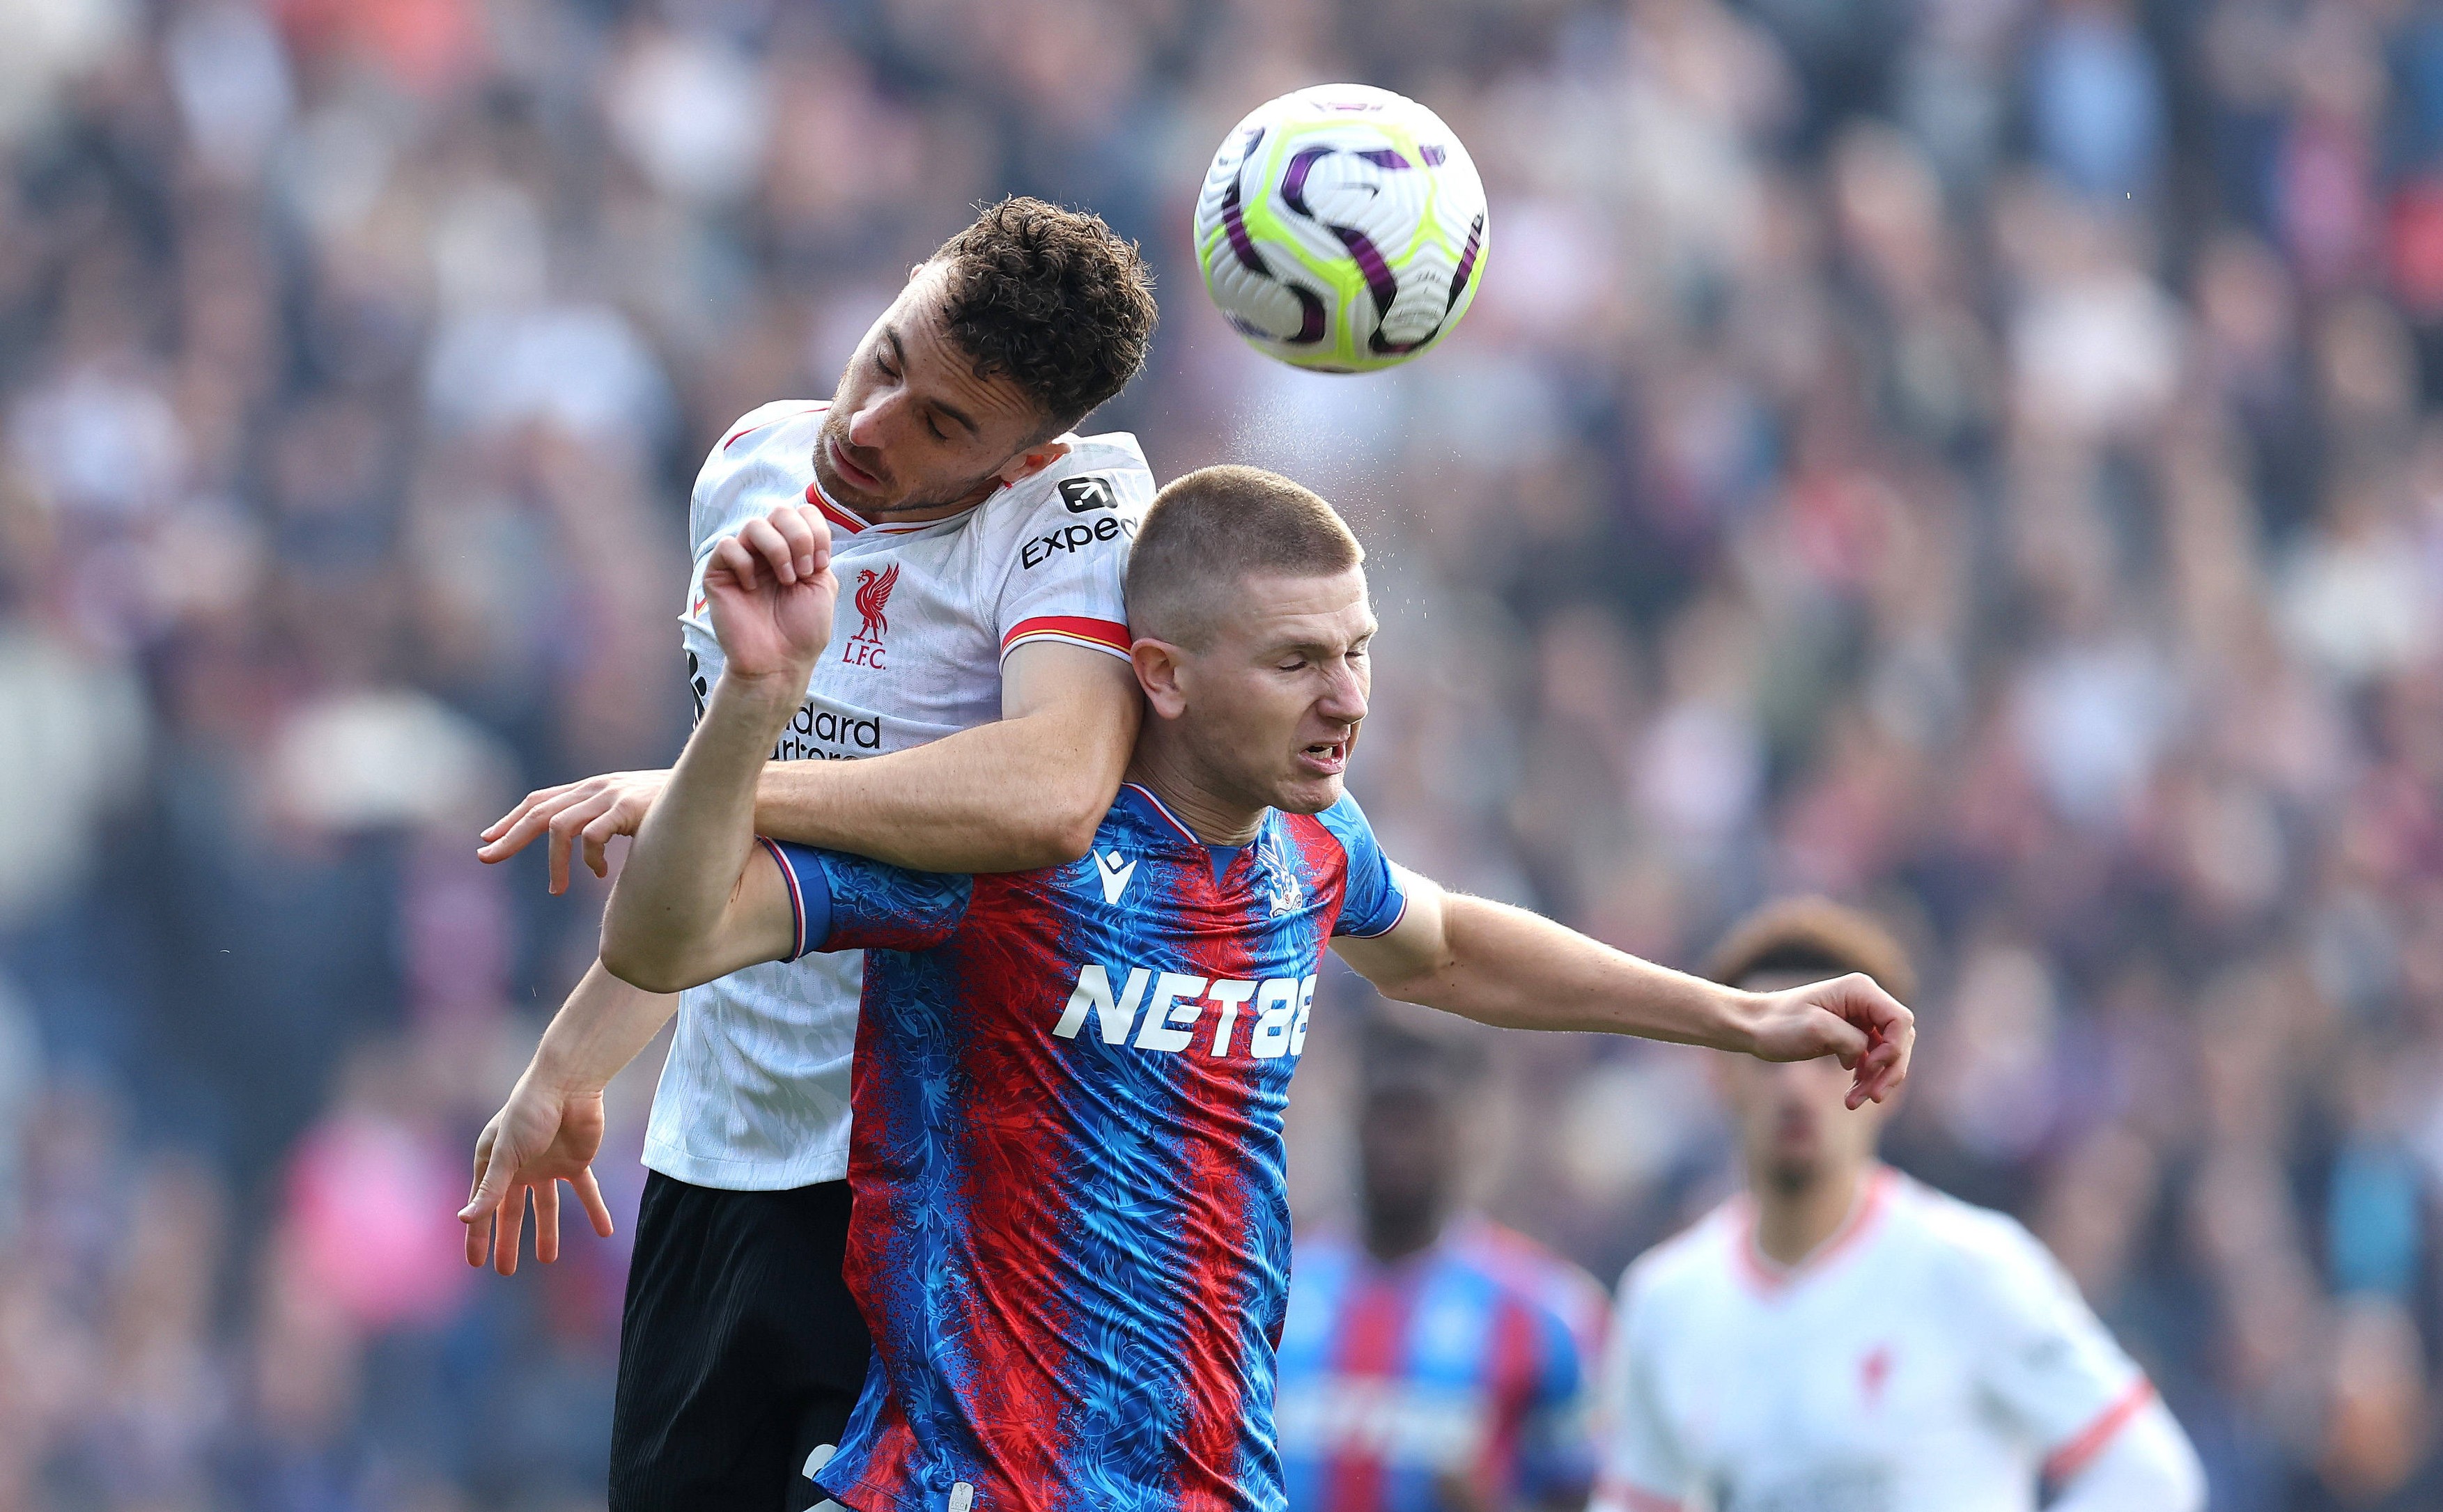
592	811
772	592
1848	1017
539	1138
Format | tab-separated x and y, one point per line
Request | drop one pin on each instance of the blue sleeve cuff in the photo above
809	894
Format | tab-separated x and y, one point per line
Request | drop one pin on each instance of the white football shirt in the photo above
755	1094
1931	1356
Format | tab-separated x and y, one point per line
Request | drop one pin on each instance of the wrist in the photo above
552	1074
783	688
1742	1016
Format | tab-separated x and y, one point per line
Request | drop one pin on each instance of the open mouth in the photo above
1326	757
851	474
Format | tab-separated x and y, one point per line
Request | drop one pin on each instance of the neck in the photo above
1793	1222
1396	1234
1169	774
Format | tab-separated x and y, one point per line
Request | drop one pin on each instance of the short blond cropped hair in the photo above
1215	527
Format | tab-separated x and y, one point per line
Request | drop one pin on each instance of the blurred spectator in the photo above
1433	1362
1979	458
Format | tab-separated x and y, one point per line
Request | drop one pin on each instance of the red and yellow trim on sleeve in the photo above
1077	630
2090	1441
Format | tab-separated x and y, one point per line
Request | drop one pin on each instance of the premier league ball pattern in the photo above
1342	229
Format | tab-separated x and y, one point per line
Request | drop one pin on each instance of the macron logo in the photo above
1115	873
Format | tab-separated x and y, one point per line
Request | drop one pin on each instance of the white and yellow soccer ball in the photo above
1342	229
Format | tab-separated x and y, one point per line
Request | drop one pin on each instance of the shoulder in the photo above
1346	822
1101	478
1538	1277
745	455
1981	1258
752	435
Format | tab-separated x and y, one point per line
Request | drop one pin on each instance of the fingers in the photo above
479	1239
1844	1041
546	1200
731	559
501	825
820	531
559	811
572	821
591	1194
1864	1002
514	830
1880	1074
597	836
512	1225
808	537
770	545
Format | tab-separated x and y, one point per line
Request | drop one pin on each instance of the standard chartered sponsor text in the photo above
816	734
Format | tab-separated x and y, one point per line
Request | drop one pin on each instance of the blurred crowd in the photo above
1967	457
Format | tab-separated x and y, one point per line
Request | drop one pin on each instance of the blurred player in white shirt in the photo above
1842	1339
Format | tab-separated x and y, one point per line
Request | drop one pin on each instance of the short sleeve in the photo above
2049	1363
1641	1467
849	902
1371	901
1070	563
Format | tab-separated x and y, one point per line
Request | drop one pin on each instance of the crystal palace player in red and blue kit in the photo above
1120	1032
1069	1235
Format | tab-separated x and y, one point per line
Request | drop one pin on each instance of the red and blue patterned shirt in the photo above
1072	1231
1473	1359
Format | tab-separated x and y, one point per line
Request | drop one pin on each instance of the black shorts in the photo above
740	1353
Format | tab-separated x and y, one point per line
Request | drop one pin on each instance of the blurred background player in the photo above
976	715
1839	1336
1437	1362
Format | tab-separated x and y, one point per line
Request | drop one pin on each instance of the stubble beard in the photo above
971	491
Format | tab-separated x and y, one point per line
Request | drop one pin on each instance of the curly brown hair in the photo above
1053	298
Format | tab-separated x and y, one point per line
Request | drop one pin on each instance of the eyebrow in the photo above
1316	647
899	355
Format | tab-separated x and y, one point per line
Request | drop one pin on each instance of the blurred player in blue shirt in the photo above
1435	1362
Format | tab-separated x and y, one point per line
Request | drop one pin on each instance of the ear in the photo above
1159	672
1032	460
915	271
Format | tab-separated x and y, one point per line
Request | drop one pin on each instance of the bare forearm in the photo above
1506	966
1006	796
685	865
603	1026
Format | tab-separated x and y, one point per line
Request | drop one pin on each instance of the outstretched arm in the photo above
1501	965
696	899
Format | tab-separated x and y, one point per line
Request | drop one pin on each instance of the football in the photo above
1342	229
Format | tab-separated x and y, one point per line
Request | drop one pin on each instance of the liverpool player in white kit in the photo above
1840	1339
980	660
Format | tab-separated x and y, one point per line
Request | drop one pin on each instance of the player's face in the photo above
911	428
1272	705
1796	1128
